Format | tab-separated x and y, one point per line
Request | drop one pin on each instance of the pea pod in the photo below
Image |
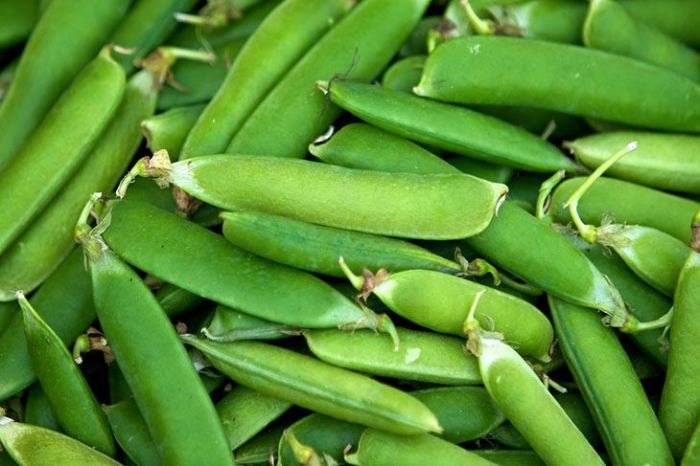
550	20
131	433
691	455
315	385
404	74
7	311
569	79
7	74
169	129
674	17
511	457
260	449
37	410
18	19
227	324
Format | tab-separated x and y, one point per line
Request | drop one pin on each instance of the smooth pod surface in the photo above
169	129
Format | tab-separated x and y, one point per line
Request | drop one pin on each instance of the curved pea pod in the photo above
403	74
231	325
550	20
131	433
67	36
561	77
169	129
610	387
316	248
37	410
674	17
447	127
441	302
58	145
260	449
18	19
465	413
422	356
626	203
395	204
691	455
359	47
511	457
72	402
636	39
35	446
312	384
41	248
664	161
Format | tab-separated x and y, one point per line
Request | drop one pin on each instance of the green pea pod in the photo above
168	130
674	17
315	385
465	413
404	74
447	127
35	446
626	203
7	75
37	410
569	79
74	405
610	386
131	433
417	42
66	38
511	457
175	301
18	18
359	47
486	171
260	450
231	325
316	248
691	455
550	20
58	145
7	312
49	239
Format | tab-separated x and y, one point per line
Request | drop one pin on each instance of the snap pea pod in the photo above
315	385
483	170
7	74
316	248
674	17
72	402
550	20
41	248
131	433
58	145
169	129
35	446
447	127
66	38
228	324
691	455
569	79
18	19
37	410
175	301
510	457
7	311
417	42
403	74
636	39
261	449
629	427
359	47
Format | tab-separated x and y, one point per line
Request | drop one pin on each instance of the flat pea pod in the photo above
569	79
41	248
664	161
131	433
36	446
691	455
379	448
169	129
67	36
360	47
511	457
58	145
72	402
440	302
228	324
629	427
316	248
18	19
405	205
447	127
403	74
252	76
550	20
636	39
626	203
37	410
422	356
315	385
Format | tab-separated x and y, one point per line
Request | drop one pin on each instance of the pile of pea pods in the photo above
365	232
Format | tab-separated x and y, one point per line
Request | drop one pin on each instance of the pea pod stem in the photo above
482	27
161	61
545	192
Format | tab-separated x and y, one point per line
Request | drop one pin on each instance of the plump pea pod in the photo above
318	386
511	457
316	248
610	387
49	239
131	433
169	129
691	455
35	446
569	79
66	38
550	20
636	39
465	413
261	449
175	301
486	171
359	47
674	17
7	312
252	76
422	356
379	448
72	402
403	74
440	302
447	127
626	203
403	205
58	145
231	325
18	20
37	410
664	161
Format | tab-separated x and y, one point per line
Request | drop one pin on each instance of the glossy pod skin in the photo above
636	39
403	74
447	127
629	427
58	145
550	20
18	20
228	324
674	17
316	248
66	38
37	410
691	455
312	384
359	47
569	79
511	457
35	446
41	248
169	129
664	161
131	433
